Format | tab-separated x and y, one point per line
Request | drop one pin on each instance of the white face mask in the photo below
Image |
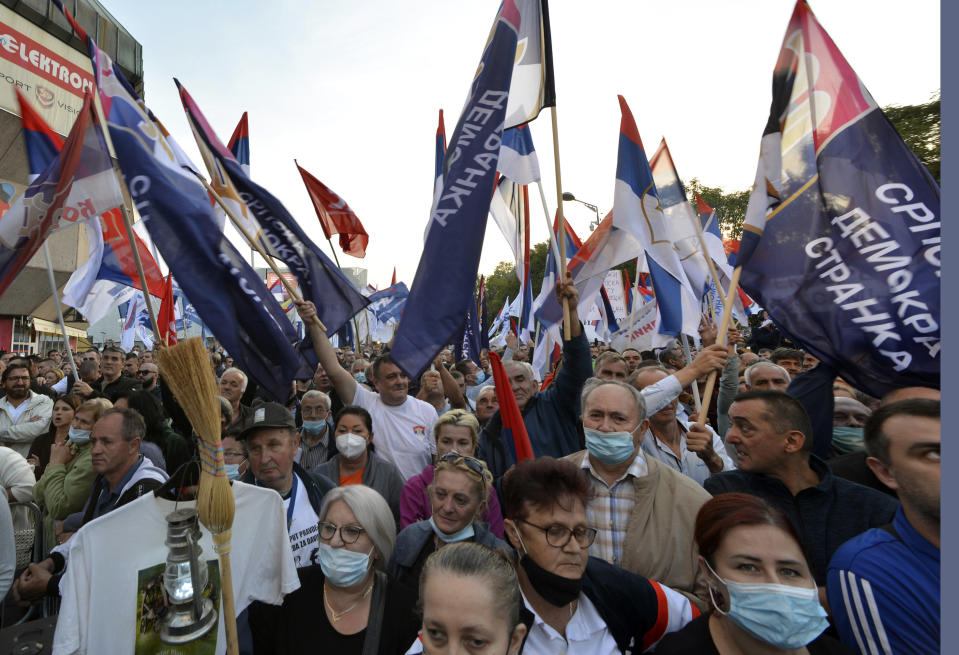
350	445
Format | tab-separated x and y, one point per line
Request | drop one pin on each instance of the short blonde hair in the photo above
458	417
458	463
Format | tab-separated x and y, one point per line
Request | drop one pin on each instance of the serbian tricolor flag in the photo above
239	143
841	242
335	216
514	429
166	318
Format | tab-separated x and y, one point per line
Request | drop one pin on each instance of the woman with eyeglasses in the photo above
355	462
458	495
763	598
456	430
346	605
575	603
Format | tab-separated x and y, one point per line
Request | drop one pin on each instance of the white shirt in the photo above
586	633
303	529
690	463
115	558
403	434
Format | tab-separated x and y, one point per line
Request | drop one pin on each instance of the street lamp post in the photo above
567	196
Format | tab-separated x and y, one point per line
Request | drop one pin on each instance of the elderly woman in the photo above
363	611
763	598
457	498
355	461
455	431
574	602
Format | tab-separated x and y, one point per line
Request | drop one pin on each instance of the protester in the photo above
232	384
364	611
317	444
471	600
762	596
632	357
790	359
893	573
487	404
455	431
766	376
272	441
112	381
849	416
60	420
458	495
611	366
122	475
24	414
8	550
235	457
772	435
643	510
66	484
572	602
175	449
356	461
402	423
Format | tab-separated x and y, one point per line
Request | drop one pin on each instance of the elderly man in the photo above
772	434
574	603
487	404
611	366
403	425
766	376
893	572
232	385
643	510
111	382
317	444
24	415
679	444
122	475
271	444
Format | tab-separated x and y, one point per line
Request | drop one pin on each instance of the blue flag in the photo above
388	304
228	295
446	275
841	242
319	279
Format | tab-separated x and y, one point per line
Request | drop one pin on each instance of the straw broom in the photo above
186	369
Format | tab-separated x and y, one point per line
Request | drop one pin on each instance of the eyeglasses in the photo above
348	533
558	535
472	463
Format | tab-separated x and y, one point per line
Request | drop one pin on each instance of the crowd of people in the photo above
781	523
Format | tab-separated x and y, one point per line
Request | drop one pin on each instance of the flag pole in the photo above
356	327
127	211
549	226
709	260
56	300
721	340
567	329
253	243
689	360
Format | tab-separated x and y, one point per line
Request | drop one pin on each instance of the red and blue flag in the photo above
514	429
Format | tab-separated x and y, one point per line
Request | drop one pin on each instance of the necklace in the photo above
336	616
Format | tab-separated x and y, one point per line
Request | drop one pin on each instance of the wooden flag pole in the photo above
689	360
127	211
56	300
721	337
561	220
356	327
549	227
253	243
709	262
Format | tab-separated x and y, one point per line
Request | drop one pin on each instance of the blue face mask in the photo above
462	535
314	427
360	377
847	439
780	615
232	471
609	447
79	437
481	377
342	567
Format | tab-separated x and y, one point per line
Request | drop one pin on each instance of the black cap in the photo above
267	415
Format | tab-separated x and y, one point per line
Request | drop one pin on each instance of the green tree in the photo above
730	207
504	283
918	125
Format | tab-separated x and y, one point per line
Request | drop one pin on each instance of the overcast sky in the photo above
352	90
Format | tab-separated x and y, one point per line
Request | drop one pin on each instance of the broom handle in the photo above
226	588
255	244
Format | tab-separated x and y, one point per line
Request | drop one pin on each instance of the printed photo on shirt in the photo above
152	604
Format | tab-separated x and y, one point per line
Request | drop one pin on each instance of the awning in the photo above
41	325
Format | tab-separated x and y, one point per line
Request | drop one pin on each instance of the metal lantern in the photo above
189	615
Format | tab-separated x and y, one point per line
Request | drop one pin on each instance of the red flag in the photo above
335	216
166	319
513	425
394	277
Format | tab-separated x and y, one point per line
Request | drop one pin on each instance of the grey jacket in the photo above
380	474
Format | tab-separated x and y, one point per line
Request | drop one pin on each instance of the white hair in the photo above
371	512
238	372
592	384
764	362
314	393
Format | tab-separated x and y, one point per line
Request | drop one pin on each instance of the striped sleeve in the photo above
673	611
856	613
